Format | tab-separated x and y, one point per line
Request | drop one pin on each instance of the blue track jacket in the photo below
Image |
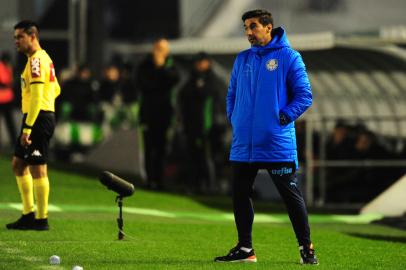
265	81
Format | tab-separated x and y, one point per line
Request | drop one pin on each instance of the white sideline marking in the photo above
259	218
267	219
51	207
148	212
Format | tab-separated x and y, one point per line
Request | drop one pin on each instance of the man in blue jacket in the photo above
269	89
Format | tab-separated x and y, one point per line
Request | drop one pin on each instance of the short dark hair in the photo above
202	56
29	27
264	16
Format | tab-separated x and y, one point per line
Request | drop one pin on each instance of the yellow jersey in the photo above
39	69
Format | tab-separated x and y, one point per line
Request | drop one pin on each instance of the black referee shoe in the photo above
25	222
40	224
236	254
307	255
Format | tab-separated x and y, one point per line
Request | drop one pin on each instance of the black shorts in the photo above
42	131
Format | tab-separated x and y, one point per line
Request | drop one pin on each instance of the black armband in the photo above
26	126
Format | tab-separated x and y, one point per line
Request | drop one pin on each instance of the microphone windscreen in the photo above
117	184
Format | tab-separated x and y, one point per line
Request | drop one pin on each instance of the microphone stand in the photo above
120	221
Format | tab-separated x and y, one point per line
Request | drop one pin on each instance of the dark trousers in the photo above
154	153
198	169
284	177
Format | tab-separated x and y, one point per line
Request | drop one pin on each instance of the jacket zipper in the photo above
253	107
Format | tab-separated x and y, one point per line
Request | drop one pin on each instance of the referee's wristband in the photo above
27	130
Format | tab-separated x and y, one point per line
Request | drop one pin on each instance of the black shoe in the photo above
236	254
25	222
307	255
40	224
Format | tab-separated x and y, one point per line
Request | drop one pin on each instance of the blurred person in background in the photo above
127	116
268	90
340	146
80	100
119	95
110	83
368	146
340	142
157	75
127	81
7	96
40	88
79	115
368	182
199	101
110	94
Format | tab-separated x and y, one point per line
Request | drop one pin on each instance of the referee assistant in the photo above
39	89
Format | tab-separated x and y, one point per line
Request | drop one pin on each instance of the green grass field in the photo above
167	231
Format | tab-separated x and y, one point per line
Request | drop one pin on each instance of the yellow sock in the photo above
27	197
41	190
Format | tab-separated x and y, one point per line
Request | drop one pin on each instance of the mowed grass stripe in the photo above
220	217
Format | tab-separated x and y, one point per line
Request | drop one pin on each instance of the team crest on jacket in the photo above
272	64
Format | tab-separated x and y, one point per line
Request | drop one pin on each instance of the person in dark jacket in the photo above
110	87
268	90
199	104
156	77
80	100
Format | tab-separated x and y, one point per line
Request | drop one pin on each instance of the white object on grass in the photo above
54	259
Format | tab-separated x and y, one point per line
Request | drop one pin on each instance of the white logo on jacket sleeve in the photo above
272	64
35	68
